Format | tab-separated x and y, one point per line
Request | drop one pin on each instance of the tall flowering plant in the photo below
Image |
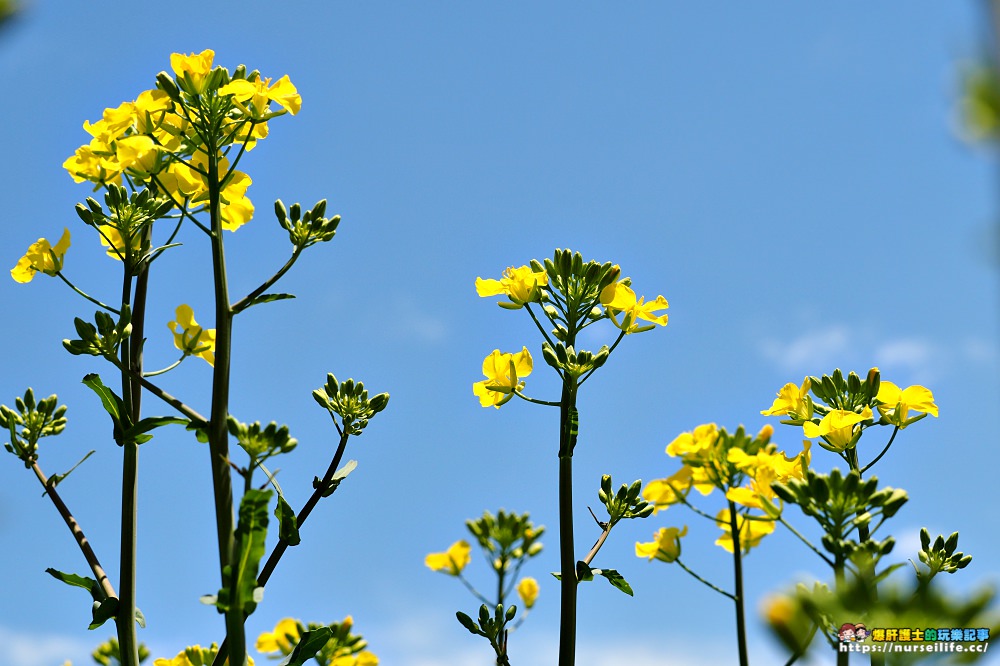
168	164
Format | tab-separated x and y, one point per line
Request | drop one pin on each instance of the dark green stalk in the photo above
567	557
741	628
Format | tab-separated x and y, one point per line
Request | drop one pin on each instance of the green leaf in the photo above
113	405
266	298
310	643
56	479
584	572
288	529
104	611
616	579
149	423
140	618
85	582
251	532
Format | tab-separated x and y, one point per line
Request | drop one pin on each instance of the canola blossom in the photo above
792	401
527	589
191	338
750	531
520	285
665	546
895	403
618	299
283	639
503	376
837	428
453	560
41	256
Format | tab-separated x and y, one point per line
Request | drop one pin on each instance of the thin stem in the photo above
244	303
621	335
196	418
103	306
545	334
537	402
74	527
474	591
567	558
741	628
170	367
703	581
879	456
811	547
597	546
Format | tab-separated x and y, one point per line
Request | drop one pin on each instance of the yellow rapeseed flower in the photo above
792	401
519	284
617	299
193	68
750	531
836	428
895	403
191	338
665	546
283	639
527	589
453	560
503	377
41	256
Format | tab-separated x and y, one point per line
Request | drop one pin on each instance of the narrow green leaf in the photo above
251	532
56	479
310	643
85	582
112	403
266	298
140	618
288	529
616	579
104	611
149	423
342	473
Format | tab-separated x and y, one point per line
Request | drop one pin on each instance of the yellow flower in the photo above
193	68
750	531
191	338
665	546
453	560
503	377
519	284
283	639
687	443
195	656
527	589
620	299
41	256
895	403
259	94
792	401
136	152
664	492
836	428
765	467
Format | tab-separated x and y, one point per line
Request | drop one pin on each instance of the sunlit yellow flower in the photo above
519	284
527	589
191	338
195	656
665	546
193	68
836	428
664	492
41	257
750	531
895	403
617	298
503	377
792	401
702	437
766	467
283	639
453	560
259	93
136	152
112	239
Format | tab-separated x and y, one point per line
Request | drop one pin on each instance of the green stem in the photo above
103	306
879	456
703	581
741	629
218	434
811	547
244	303
567	558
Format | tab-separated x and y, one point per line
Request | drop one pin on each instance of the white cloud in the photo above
907	352
417	323
817	348
34	649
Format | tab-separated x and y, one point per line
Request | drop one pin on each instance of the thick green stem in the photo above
218	434
741	628
567	557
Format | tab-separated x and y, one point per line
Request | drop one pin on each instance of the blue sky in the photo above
788	175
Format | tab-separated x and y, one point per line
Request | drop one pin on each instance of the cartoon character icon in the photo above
847	633
861	632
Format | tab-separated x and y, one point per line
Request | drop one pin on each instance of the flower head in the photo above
665	546
792	401
191	338
750	530
451	561
527	589
895	403
837	428
618	298
662	493
283	639
193	69
41	256
503	377
258	94
521	285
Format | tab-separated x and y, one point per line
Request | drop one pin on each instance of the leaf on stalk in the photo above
251	532
615	579
310	643
56	479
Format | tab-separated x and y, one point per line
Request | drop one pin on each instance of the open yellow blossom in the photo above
283	639
521	285
527	589
895	403
765	468
41	256
663	493
259	93
836	428
192	69
665	546
191	338
792	401
750	531
451	561
617	299
701	438
503	377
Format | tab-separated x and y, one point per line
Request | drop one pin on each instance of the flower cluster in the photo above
342	648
